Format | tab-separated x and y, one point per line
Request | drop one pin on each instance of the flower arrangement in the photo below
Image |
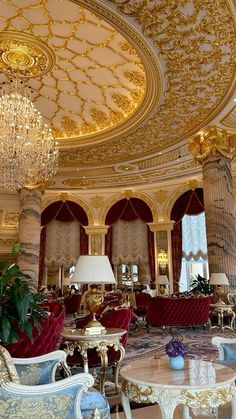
176	347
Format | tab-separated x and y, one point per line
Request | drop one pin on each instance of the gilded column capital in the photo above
162	226
101	230
210	140
35	186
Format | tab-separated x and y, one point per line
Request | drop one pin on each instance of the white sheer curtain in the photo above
62	243
194	244
130	243
194	248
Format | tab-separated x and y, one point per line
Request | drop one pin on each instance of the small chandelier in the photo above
162	259
28	152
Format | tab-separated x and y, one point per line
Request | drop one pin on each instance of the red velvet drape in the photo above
191	203
129	210
108	244
65	211
42	254
83	241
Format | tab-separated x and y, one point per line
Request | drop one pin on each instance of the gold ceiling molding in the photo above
24	54
212	140
48	200
193	39
139	178
229	120
99	79
144	197
190	185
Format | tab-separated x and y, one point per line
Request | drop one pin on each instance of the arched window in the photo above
129	242
194	249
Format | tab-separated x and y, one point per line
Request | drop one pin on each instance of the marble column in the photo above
29	233
162	240
214	148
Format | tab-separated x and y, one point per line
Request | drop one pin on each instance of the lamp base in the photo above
94	327
220	293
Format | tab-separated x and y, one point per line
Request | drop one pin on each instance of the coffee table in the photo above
200	384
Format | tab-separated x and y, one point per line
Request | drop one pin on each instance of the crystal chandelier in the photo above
28	152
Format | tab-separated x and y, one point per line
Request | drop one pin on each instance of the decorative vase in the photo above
176	362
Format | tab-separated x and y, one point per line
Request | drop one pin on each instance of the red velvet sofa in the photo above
168	311
72	303
142	303
45	340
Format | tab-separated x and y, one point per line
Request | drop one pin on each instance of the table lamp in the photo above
219	279
93	270
162	281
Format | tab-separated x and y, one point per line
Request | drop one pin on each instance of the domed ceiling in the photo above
123	84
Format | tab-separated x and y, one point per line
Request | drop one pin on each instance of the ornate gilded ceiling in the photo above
130	82
97	80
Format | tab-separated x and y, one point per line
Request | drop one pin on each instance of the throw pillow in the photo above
229	351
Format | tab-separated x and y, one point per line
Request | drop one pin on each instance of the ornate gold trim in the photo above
184	110
24	54
229	120
154	79
212	140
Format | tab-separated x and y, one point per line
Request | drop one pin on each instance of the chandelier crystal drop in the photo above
28	152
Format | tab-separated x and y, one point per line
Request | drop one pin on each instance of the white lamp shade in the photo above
93	269
162	280
218	279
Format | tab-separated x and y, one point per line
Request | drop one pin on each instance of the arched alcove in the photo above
190	202
129	239
63	237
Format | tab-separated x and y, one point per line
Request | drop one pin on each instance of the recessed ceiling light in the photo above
235	99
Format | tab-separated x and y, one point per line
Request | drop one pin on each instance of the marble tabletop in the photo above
196	373
200	384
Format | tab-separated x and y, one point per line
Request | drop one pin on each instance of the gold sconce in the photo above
162	259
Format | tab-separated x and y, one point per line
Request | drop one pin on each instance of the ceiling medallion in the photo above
24	54
126	168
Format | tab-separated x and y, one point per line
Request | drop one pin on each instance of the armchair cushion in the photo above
40	369
61	400
229	351
64	399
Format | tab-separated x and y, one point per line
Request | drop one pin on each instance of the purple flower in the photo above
175	348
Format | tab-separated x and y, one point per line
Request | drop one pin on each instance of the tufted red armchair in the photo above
72	303
45	340
142	303
120	319
169	311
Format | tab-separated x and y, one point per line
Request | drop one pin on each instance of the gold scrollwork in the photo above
136	393
209	397
212	140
